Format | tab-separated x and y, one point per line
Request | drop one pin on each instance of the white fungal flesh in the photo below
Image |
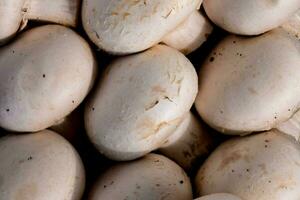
250	17
189	141
219	196
189	35
291	126
42	79
250	84
293	24
150	178
40	166
263	166
139	102
124	27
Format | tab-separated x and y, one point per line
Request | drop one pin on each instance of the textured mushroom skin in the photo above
124	27
250	17
139	102
250	84
40	166
43	79
150	178
263	166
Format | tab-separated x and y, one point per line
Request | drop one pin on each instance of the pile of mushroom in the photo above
173	100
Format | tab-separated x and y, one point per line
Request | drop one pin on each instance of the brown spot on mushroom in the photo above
263	168
158	89
7	110
252	91
44	75
233	157
211	59
29	158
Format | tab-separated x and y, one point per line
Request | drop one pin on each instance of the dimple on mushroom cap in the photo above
150	178
250	17
42	79
263	166
124	27
40	166
139	102
250	84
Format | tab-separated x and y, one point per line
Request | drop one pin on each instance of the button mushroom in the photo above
250	84
189	142
44	75
250	17
125	27
14	14
219	196
40	166
263	166
139	102
150	178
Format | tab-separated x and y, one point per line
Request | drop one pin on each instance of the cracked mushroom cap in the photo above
124	27
250	84
150	178
250	17
40	166
44	75
139	102
263	166
219	196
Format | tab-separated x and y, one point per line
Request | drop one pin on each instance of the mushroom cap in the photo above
263	166
188	142
250	17
124	27
139	102
250	84
42	79
40	166
219	196
150	178
291	126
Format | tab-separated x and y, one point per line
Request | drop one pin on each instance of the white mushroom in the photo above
140	101
14	14
250	84
250	17
190	34
44	75
150	178
291	126
124	27
263	166
219	196
189	141
40	166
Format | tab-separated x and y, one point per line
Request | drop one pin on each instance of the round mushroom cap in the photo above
219	196
139	102
263	166
44	75
250	17
124	27
40	166
150	178
250	84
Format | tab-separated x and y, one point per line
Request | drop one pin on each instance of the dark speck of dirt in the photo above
104	186
93	109
211	59
73	101
181	182
157	185
266	146
44	75
29	158
248	170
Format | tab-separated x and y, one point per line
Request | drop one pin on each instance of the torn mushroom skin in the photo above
262	166
219	196
40	166
42	79
139	102
250	84
250	17
126	27
14	14
149	178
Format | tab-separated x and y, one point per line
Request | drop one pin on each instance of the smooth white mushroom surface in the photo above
124	27
190	34
44	75
40	166
14	14
139	102
190	141
250	17
263	166
291	126
250	84
219	196
150	178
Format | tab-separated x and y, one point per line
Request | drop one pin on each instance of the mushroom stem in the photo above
293	24
190	34
291	126
58	11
